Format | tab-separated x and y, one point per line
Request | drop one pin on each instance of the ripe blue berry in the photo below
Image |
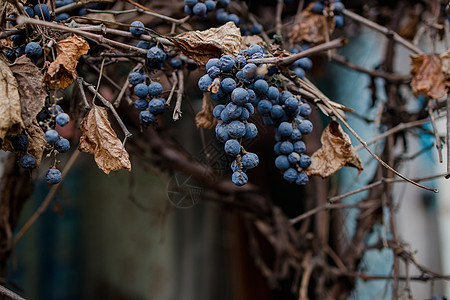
290	175
42	11
305	110
276	112
228	85
305	161
236	129
299	147
250	131
62	145
272	93
29	11
136	78
305	63
204	82
20	142
28	162
190	3
302	179
296	135
213	62
156	106
218	110
264	107
62	119
141	104
137	28
318	7
146	117
261	86
239	96
291	104
156	55
255	49
239	178
210	5
213	72
62	17
282	162
250	160
232	147
199	9
176	62
33	50
143	44
249	71
222	132
53	176
226	63
285	129
141	90
51	136
234	111
286	147
155	89
305	127
294	158
299	72
339	20
233	18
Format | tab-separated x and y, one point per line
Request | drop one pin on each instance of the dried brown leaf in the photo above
249	40
99	138
445	60
427	75
99	18
205	117
203	45
335	153
61	72
31	89
310	27
10	111
36	136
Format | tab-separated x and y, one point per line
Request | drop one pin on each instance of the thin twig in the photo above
10	294
377	183
436	134
96	37
288	60
327	206
177	110
47	199
172	90
110	106
447	141
308	268
79	81
398	128
279	12
148	11
382	29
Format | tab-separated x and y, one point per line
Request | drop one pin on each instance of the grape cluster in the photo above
201	8
47	118
149	101
236	89
335	6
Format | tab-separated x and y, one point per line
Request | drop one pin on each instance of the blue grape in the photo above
221	15
296	135
304	63
339	20
29	11
199	9
290	175
135	78
261	86
156	106
239	96
255	49
156	55
51	136
299	72
249	71
234	111
233	18
141	90
276	112
264	107
286	147
176	63
28	162
213	72
155	89
232	147
212	62
62	145
285	129
305	110
291	104
141	104
282	162
305	127
250	160
137	28
62	17
210	5
218	110
294	158
239	178
228	85
190	3
305	161
62	119
204	82
222	132
256	29
299	147
42	11
33	50
53	176
143	44
226	63
236	129
272	93
146	117
250	131
318	7
302	179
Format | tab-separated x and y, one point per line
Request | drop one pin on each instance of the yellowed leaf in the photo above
31	89
203	45
99	138
61	72
10	110
205	117
335	153
427	75
310	27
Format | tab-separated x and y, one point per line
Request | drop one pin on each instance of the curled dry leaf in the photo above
31	89
335	153
10	110
427	75
205	118
36	136
61	72
310	27
203	45
99	138
445	60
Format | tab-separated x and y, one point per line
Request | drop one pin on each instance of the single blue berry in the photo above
29	11
137	28
299	72
53	176
28	162
212	62
305	110
228	85
233	18
200	9
255	49
299	147
135	78
33	50
339	20
239	96
286	147
276	112
155	89
272	93
282	162
234	111
156	55
222	132
210	5
42	11
62	17
51	136
62	119
305	127
141	104
143	44
204	82
305	161
176	62
256	29
226	63
250	160
290	175
236	129
304	63
20	142
239	178
141	90
264	107
318	7
285	129
156	106
146	117
296	135
302	179
232	147
62	145
190	3
249	71
261	86
213	72
250	131
294	158
291	104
